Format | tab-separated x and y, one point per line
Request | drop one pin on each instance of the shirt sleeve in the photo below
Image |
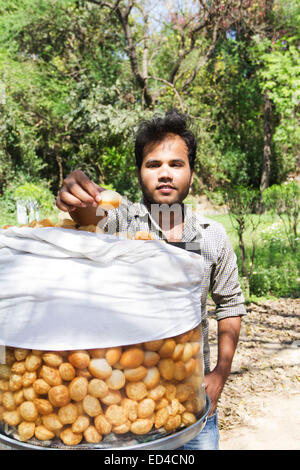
225	287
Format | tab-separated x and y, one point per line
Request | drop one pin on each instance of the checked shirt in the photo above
220	272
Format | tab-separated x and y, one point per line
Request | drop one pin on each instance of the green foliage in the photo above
280	77
33	192
275	269
284	200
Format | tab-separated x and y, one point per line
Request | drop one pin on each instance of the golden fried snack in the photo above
52	359
113	355
81	424
13	418
26	430
19	397
153	345
174	407
50	375
157	393
92	435
20	353
28	411
46	223
122	428
32	362
41	387
15	382
161	417
18	368
117	380
190	366
100	368
135	375
152	378
130	407
141	426
172	423
69	438
170	391
78	388
84	373
67	371
187	352
116	415
151	358
29	393
162	403
113	397
136	390
97	353
110	199
139	235
145	408
91	406
59	395
28	378
102	424
79	359
167	348
132	358
68	413
183	391
67	223
52	422
43	434
43	406
166	368
179	371
8	401
177	353
97	388
188	418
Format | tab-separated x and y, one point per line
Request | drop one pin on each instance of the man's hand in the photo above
214	383
78	191
228	335
80	196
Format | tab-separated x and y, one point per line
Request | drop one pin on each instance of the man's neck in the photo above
170	218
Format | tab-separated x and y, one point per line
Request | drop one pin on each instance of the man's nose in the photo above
165	172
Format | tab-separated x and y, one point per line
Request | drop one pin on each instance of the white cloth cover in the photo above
63	289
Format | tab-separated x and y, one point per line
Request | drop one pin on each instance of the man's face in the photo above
165	175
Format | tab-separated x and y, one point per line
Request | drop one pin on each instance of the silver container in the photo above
168	442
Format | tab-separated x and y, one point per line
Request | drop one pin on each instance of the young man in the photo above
165	152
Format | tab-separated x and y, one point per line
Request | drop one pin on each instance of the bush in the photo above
279	281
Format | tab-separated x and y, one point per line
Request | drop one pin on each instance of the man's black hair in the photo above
155	129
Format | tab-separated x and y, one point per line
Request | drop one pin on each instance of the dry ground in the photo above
260	404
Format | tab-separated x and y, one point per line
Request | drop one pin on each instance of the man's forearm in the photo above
228	336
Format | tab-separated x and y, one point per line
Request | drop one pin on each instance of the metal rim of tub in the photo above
169	442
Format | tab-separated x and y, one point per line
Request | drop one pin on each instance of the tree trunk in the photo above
60	170
267	156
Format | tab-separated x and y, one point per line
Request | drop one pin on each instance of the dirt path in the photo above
260	404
